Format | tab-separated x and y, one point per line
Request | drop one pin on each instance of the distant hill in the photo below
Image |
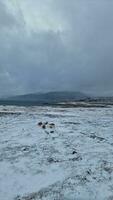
45	98
50	97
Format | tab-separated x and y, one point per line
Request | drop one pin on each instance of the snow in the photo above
73	163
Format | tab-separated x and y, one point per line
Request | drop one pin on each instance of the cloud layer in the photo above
56	45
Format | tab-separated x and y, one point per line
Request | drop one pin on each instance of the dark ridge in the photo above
44	98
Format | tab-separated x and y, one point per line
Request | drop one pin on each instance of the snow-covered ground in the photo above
73	163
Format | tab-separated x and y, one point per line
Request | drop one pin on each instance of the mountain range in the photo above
45	98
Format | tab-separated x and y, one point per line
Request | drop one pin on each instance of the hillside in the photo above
46	98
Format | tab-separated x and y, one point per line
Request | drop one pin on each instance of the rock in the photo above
40	124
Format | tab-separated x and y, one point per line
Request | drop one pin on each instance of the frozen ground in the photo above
74	163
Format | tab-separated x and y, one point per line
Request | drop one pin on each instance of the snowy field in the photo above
73	163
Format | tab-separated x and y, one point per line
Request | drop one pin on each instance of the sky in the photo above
54	45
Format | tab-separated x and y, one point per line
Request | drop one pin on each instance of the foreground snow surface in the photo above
73	163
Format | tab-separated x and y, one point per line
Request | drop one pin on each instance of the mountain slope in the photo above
50	97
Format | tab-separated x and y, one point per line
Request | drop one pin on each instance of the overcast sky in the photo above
48	45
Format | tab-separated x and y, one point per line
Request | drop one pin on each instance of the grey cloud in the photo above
78	58
7	20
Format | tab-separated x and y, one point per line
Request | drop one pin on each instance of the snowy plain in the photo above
73	163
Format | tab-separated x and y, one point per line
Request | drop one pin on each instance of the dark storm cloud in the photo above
90	39
6	19
78	57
